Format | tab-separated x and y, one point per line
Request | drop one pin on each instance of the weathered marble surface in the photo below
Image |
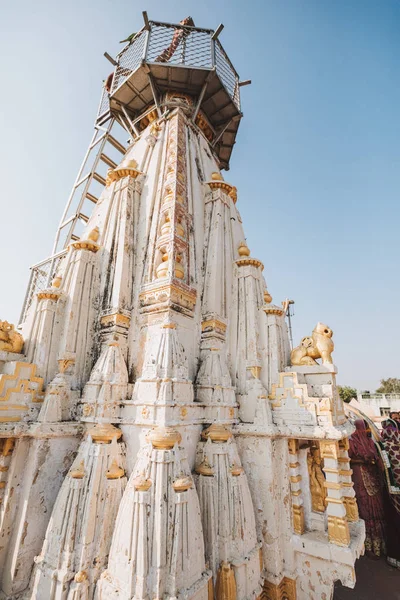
161	324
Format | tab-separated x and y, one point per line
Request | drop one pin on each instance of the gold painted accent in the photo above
225	587
329	449
233	194
236	470
293	446
145	412
165	294
216	433
294	465
255	371
319	345
169	326
260	556
104	433
216	176
115	472
295	478
79	472
203	125
7	446
64	363
115	319
222	185
49	294
179	228
296	493
155	128
298	519
338	530
182	484
9	419
267	297
243	249
56	282
162	269
2	484
183	412
317	480
127	168
331	500
332	485
344	444
211	324
94	234
204	468
87	410
285	590
165	229
22	385
141	483
179	270
85	245
80	576
10	340
273	310
164	438
250	262
351	508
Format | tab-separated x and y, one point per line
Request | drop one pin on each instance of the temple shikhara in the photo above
160	439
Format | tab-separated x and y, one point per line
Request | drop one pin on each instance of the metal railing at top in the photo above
41	275
177	45
377	396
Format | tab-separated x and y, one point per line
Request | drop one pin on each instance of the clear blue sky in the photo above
317	159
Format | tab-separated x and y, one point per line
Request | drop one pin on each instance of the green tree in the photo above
389	386
347	393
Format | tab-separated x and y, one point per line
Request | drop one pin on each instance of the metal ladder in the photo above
97	152
104	138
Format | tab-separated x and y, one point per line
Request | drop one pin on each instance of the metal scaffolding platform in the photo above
161	57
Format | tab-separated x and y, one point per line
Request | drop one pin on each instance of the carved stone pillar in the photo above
338	527
295	487
348	493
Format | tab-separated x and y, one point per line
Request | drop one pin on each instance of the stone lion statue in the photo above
10	340
319	345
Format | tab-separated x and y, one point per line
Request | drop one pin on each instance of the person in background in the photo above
395	416
390	451
369	489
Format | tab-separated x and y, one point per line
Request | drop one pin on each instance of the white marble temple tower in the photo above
155	441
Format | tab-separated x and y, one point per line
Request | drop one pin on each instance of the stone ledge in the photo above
312	369
316	544
11	357
42	430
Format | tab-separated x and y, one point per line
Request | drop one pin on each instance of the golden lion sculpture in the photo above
10	340
319	345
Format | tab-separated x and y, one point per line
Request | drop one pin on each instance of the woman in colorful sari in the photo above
368	488
390	452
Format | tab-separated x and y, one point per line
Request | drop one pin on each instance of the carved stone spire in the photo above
157	549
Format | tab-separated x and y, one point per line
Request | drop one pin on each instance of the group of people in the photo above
376	476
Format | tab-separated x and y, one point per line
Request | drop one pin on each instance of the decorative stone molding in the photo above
295	487
338	528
